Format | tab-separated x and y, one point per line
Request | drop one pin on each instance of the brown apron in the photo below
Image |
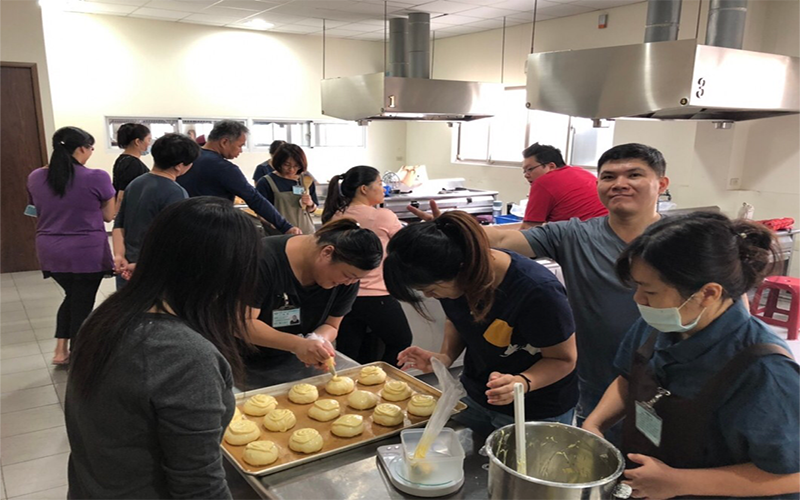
688	428
288	204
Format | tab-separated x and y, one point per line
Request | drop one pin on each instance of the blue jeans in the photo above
121	282
587	402
484	421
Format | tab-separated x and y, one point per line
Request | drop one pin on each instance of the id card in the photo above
648	423
30	211
298	190
285	317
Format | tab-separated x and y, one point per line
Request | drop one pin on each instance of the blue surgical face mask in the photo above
147	151
668	319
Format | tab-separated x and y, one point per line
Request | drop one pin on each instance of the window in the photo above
157	126
344	134
263	132
500	140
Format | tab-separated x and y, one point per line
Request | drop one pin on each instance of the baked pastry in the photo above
303	394
241	432
348	426
388	415
305	440
421	405
259	405
340	385
260	453
396	390
371	375
362	400
236	414
324	410
279	420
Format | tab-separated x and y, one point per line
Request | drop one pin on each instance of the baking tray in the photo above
332	444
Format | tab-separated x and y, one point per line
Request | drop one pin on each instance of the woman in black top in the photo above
135	139
150	393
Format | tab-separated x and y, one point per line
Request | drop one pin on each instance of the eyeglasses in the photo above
530	169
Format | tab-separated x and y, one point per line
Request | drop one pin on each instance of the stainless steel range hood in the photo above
379	97
406	92
680	80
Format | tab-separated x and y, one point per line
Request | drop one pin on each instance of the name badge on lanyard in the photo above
298	190
647	420
287	315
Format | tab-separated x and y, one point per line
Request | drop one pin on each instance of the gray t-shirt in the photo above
153	425
145	197
603	308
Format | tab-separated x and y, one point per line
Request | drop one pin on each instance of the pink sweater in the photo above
382	222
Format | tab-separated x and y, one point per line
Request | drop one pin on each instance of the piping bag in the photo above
452	392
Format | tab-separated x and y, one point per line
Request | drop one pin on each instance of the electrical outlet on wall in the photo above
734	183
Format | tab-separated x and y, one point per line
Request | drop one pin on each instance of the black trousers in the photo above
385	319
80	291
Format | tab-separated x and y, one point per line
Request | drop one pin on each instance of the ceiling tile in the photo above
478	2
604	4
444	7
295	28
149	13
456	29
521	5
204	2
215	10
250	5
212	19
488	24
298	9
342	32
376	37
276	19
317	23
366	28
135	3
564	10
100	8
454	20
193	7
489	12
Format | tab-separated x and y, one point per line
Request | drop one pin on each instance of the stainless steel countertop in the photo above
356	474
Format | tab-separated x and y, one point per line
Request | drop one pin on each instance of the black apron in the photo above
687	424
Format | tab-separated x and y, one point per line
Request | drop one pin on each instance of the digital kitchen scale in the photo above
393	462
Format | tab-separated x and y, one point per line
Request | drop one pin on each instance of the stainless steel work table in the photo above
354	474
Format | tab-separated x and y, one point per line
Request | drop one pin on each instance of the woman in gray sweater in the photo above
150	391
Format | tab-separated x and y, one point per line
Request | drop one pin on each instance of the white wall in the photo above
114	66
22	40
763	154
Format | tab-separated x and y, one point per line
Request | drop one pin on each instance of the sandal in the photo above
61	362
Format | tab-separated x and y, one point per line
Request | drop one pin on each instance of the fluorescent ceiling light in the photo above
259	24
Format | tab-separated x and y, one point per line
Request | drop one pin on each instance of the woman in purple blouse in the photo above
72	202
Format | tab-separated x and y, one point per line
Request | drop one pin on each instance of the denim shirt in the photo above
758	418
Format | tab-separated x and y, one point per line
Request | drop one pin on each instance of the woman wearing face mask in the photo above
356	195
135	139
709	393
284	187
509	313
72	202
315	279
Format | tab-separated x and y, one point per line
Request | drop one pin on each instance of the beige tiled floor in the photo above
34	451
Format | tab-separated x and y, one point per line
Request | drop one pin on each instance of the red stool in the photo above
775	285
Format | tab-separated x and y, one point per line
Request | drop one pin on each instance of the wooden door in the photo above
22	149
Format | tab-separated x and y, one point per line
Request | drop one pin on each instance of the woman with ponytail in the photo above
356	195
710	395
307	283
72	202
509	314
135	139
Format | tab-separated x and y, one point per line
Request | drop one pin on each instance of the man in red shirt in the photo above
558	191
